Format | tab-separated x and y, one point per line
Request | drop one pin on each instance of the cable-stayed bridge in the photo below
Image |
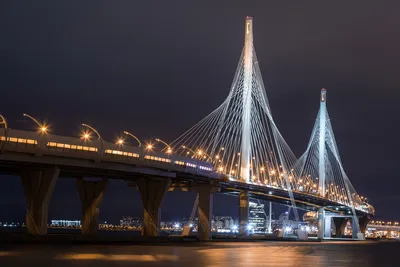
236	149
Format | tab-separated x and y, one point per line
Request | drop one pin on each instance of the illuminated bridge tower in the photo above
240	137
321	167
247	99
322	130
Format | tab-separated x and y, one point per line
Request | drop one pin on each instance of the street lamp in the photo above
131	135
87	135
169	149
120	142
200	153
185	147
3	121
43	128
149	146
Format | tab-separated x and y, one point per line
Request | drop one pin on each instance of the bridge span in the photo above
236	149
40	158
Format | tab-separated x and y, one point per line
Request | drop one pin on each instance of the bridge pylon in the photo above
321	172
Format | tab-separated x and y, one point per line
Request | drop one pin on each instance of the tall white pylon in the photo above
322	130
247	99
321	163
240	137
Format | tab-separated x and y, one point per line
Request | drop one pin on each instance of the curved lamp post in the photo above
42	127
3	121
169	149
200	153
93	129
86	136
185	147
134	137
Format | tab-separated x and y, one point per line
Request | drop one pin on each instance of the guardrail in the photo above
38	144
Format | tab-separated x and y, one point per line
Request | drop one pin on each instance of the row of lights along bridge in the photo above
86	136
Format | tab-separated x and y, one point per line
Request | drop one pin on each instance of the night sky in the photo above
155	68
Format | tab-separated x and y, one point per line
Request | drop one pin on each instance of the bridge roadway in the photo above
45	157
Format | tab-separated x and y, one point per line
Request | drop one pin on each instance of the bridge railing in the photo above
98	150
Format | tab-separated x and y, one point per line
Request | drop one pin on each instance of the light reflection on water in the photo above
278	256
216	254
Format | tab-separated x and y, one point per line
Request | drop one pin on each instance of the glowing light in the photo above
120	141
86	136
149	146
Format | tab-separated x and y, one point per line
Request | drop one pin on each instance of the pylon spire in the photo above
321	148
247	100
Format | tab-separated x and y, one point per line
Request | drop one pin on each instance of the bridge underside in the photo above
179	179
132	174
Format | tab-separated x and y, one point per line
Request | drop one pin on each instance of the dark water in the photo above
207	254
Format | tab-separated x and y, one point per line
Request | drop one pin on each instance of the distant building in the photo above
65	223
257	218
128	221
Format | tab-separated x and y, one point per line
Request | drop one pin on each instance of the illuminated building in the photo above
257	218
65	223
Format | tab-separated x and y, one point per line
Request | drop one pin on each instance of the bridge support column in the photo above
152	192
206	196
340	226
359	226
328	225
243	213
321	223
355	227
363	222
38	188
91	195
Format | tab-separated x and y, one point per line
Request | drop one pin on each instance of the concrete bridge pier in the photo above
358	232
363	222
205	207
91	195
321	223
340	225
152	191
243	213
38	187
